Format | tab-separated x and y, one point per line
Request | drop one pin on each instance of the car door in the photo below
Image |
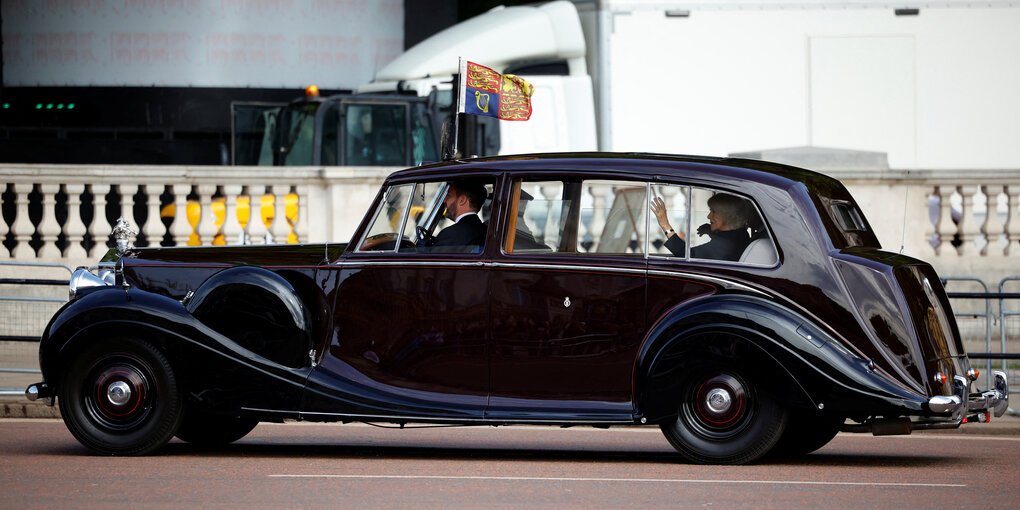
568	296
410	325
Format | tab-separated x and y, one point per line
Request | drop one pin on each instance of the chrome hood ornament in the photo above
124	236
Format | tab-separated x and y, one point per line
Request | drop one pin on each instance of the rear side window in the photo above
700	223
589	217
847	217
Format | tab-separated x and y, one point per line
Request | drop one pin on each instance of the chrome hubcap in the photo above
118	393
718	400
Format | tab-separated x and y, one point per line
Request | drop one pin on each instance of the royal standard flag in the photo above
486	92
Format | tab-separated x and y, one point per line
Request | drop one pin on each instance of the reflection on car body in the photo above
571	311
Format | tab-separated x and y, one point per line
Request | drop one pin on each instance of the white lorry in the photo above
931	87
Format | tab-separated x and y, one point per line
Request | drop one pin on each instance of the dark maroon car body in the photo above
837	334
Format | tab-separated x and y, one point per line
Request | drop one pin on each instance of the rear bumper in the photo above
994	401
949	411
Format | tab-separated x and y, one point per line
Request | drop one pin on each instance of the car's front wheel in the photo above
724	419
120	397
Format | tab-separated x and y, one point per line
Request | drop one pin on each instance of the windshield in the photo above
299	144
254	133
352	133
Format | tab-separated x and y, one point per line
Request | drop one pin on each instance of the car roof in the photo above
638	165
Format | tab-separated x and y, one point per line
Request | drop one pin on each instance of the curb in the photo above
12	408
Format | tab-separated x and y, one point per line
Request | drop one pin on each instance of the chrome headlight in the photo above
82	278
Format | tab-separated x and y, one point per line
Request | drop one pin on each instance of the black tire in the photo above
202	428
120	397
806	431
724	419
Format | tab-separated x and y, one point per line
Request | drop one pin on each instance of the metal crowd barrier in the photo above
990	318
23	319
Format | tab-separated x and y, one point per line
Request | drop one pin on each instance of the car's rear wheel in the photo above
120	397
724	419
806	431
206	429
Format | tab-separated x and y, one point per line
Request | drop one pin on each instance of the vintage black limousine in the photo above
743	307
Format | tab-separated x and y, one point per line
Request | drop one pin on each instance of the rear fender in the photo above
799	362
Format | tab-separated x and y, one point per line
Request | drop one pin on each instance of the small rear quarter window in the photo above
848	218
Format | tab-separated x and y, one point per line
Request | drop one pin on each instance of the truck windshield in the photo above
254	133
299	142
365	134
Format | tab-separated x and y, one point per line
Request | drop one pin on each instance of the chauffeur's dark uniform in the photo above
467	235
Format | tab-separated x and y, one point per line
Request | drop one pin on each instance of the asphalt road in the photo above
357	466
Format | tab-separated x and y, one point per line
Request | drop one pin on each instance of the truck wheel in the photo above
120	397
723	419
204	429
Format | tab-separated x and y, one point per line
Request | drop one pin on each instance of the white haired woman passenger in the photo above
727	226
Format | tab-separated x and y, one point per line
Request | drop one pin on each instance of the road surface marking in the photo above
637	480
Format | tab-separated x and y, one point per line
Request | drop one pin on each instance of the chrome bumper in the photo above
994	401
40	391
959	408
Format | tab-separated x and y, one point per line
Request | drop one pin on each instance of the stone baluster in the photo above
232	228
49	229
945	227
301	229
256	226
245	217
127	205
153	227
968	226
552	235
281	228
22	227
181	229
206	228
1012	224
992	228
598	217
100	227
4	229
74	227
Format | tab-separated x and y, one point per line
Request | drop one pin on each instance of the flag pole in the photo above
451	137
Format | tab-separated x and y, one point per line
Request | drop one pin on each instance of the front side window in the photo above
432	217
382	234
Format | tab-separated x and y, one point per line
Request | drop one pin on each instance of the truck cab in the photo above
340	130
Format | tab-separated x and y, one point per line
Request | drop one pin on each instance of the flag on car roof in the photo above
486	92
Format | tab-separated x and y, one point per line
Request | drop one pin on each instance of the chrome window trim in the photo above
403	218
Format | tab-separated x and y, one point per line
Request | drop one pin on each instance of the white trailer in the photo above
934	86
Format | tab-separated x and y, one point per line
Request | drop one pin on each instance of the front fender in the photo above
803	363
261	311
212	366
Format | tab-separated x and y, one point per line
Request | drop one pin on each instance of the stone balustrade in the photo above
65	213
964	222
